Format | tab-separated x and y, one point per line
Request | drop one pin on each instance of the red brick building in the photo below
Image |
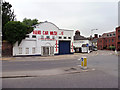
118	38
109	40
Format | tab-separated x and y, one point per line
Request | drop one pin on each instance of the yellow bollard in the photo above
84	63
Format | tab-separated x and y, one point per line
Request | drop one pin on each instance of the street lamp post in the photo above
92	31
91	36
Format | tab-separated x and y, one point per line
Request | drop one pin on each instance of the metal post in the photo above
84	63
91	35
92	31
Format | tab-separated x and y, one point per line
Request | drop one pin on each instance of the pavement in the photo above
60	57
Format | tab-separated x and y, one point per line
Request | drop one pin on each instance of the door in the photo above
48	50
64	47
45	51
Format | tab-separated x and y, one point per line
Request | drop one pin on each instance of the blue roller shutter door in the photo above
64	47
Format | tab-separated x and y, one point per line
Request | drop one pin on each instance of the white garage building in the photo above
81	44
46	39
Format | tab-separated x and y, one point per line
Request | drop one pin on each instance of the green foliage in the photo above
16	31
108	47
111	47
7	15
30	22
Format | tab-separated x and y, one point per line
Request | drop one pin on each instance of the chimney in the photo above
77	33
95	35
99	35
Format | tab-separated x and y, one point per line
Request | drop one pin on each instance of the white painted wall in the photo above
38	42
79	43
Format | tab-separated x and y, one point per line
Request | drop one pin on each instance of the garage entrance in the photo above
64	47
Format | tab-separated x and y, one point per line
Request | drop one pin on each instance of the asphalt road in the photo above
37	65
104	74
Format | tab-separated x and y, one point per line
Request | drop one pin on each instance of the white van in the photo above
85	48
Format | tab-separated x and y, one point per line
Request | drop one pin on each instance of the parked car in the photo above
94	48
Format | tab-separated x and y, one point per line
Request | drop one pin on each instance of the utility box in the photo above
84	63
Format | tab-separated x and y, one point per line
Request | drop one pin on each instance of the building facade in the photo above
110	40
118	38
46	39
81	44
107	40
94	40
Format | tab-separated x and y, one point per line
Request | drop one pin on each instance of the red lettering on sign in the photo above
55	33
61	33
72	46
45	32
56	45
51	33
39	32
34	32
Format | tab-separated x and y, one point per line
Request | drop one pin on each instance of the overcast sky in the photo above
82	15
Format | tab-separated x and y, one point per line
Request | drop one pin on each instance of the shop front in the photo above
46	40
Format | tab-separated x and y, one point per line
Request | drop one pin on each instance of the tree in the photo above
16	31
30	22
7	15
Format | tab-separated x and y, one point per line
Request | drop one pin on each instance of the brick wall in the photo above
100	43
106	42
6	49
118	39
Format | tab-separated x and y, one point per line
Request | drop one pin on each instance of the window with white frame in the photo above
42	37
27	50
53	37
69	37
48	37
27	36
33	36
65	37
20	50
33	50
60	37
